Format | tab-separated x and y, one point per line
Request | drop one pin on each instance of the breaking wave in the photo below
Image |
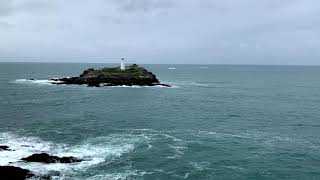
94	151
97	152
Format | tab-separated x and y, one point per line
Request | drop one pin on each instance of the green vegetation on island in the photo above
133	70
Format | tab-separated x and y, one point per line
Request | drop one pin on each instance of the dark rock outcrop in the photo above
46	158
16	173
4	148
133	75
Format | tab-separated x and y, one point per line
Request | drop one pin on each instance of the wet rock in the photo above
54	79
93	85
46	158
16	173
87	71
4	148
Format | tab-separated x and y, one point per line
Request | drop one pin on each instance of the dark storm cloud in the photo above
161	31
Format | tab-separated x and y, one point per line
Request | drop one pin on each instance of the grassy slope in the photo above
133	70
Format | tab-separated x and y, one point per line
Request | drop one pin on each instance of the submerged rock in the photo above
46	158
133	75
16	173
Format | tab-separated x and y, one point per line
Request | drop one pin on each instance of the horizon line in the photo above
145	63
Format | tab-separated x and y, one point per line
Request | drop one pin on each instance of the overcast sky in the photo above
161	31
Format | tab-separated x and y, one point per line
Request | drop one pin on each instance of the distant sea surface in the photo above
216	122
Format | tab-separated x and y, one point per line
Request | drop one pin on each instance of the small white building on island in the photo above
123	64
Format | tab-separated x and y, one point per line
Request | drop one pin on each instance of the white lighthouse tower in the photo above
123	64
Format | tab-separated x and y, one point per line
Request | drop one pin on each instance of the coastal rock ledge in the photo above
16	173
46	158
133	75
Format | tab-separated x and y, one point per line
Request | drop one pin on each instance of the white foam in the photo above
178	84
234	167
119	176
200	166
198	84
39	82
50	82
135	86
173	138
186	176
226	135
172	68
124	86
94	151
178	149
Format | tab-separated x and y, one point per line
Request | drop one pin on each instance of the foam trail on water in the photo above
178	84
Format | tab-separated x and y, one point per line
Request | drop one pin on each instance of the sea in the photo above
219	122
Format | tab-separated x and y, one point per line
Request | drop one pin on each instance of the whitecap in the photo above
225	135
178	149
186	176
234	167
171	137
200	166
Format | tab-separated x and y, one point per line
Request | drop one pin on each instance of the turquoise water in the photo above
217	122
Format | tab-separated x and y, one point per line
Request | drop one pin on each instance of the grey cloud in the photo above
6	25
5	7
35	5
143	5
113	19
9	7
162	31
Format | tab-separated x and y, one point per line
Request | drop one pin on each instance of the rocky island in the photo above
133	75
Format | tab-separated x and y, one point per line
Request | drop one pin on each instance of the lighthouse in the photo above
123	64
